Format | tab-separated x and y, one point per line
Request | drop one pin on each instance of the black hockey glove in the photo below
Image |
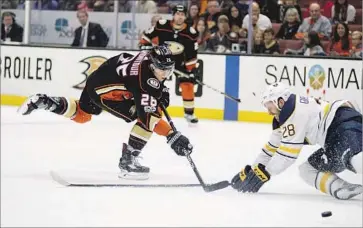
179	143
165	97
250	180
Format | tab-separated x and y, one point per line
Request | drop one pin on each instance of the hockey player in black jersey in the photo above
182	39
130	87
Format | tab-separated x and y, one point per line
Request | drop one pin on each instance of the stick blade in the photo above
56	177
216	186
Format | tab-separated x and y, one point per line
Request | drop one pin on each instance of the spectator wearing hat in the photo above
10	30
222	40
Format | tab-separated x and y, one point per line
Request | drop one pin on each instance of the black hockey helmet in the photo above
162	58
179	8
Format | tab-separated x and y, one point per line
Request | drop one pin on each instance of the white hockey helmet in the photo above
274	92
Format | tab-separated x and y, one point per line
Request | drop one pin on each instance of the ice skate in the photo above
191	119
38	101
348	191
129	165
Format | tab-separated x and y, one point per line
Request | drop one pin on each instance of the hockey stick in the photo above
206	187
210	87
56	177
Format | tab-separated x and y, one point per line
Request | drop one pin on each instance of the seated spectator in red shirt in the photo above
193	15
235	19
258	46
288	4
271	45
341	43
290	26
343	12
356	50
203	34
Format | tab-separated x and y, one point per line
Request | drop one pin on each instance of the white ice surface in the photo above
31	146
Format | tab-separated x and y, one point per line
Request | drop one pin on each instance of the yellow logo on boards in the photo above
317	77
93	62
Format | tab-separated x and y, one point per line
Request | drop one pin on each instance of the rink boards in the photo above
28	70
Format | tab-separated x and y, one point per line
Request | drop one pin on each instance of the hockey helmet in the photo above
179	8
162	58
274	92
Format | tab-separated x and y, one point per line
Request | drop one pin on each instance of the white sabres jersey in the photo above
302	121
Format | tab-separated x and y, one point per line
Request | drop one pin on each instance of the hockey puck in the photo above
326	214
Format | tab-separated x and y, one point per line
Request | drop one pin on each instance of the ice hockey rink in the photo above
34	145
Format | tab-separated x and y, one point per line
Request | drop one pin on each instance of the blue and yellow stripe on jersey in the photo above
290	151
269	149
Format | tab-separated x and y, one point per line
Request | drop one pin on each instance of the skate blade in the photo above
190	124
133	176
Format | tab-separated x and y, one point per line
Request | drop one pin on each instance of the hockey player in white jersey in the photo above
298	120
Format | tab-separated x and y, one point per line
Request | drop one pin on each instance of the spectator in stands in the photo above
244	31
312	46
84	5
316	22
89	34
356	50
226	5
10	30
235	19
341	43
69	5
269	8
204	34
212	15
46	5
42	4
290	26
343	12
193	15
242	6
288	4
155	19
263	22
222	40
258	46
100	6
271	46
124	6
8	4
146	6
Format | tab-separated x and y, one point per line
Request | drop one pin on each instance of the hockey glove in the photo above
165	97
250	180
179	143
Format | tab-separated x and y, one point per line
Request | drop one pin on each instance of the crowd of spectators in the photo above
299	27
